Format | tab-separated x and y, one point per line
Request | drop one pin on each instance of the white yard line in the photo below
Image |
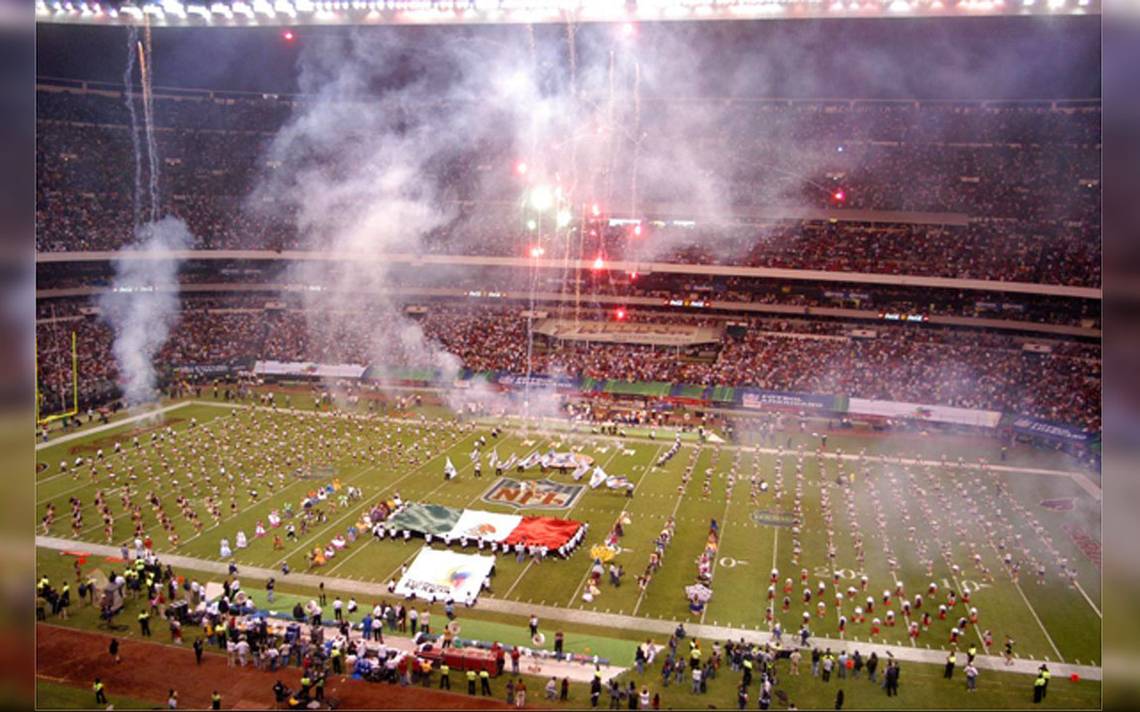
354	510
165	500
1093	605
676	507
113	457
1038	619
1025	666
719	546
960	588
110	426
644	475
565	516
372	538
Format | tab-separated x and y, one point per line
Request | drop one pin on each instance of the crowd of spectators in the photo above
970	369
1025	174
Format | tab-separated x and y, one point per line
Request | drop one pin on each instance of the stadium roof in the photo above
268	13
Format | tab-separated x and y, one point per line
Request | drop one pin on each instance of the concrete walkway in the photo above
661	628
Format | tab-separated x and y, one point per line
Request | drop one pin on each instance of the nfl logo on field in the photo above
540	494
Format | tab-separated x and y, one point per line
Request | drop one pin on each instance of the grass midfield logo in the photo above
533	494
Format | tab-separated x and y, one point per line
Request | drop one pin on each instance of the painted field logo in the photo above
1063	504
533	494
773	519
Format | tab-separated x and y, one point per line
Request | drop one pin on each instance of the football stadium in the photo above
626	354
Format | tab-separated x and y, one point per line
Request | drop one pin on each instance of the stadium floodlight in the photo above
174	7
222	9
542	198
264	7
243	9
899	6
283	7
199	10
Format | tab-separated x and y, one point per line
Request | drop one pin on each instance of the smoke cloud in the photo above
143	304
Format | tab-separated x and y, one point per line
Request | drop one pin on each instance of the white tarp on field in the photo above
308	369
932	413
492	526
445	574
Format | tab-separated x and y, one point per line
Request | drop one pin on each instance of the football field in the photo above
895	514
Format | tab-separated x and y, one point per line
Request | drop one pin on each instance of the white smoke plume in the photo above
143	304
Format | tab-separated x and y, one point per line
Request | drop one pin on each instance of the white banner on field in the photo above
932	413
492	526
308	369
439	575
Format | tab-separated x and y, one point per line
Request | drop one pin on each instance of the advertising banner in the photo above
518	381
759	399
308	369
1048	429
439	575
931	413
206	370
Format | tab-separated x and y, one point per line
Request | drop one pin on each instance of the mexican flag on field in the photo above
453	525
433	519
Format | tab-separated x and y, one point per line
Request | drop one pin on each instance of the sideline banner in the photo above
439	575
535	381
1048	429
755	398
308	369
931	413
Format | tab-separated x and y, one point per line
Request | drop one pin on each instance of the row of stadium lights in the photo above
174	11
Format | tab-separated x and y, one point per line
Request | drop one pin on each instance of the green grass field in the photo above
943	515
58	696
